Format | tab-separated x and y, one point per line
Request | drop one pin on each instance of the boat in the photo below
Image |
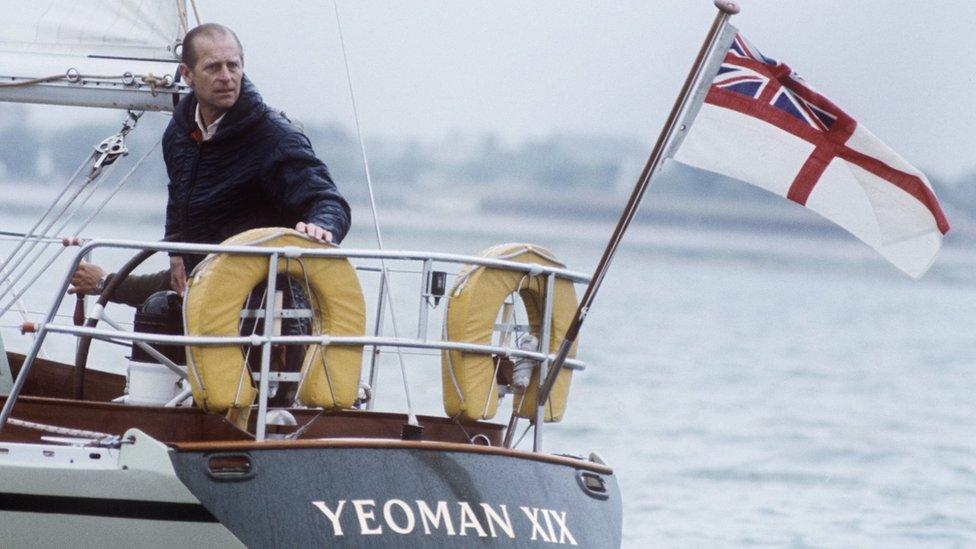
169	453
211	439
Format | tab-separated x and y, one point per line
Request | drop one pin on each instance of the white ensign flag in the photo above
759	122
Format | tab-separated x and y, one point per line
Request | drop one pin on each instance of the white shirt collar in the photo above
208	131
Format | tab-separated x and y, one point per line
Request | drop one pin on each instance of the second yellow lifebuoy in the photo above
470	389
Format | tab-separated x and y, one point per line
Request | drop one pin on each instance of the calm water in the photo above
749	400
750	390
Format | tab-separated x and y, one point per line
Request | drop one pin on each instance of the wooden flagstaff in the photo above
726	9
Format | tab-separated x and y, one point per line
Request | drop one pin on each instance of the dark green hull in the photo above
402	495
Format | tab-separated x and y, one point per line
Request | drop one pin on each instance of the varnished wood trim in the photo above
49	378
193	424
388	444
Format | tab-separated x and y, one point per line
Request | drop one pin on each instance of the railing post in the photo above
540	412
377	328
424	296
25	367
269	317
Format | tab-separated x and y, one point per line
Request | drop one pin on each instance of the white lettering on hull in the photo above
365	516
429	518
564	533
533	514
401	518
469	520
502	520
407	512
333	516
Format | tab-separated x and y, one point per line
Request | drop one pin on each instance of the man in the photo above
234	164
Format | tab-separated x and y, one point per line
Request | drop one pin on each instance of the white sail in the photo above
116	28
102	53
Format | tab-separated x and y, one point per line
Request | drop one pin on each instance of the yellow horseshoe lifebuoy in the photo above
218	290
469	386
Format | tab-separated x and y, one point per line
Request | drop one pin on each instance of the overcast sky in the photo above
521	69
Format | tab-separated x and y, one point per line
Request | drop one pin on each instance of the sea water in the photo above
785	398
747	389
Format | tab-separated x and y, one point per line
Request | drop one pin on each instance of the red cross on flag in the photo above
757	121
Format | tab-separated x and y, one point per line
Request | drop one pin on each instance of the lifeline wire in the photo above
412	419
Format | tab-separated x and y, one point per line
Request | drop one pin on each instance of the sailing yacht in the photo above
190	446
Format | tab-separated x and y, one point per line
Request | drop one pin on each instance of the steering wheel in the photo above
84	342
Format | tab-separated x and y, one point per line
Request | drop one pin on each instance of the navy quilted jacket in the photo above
258	170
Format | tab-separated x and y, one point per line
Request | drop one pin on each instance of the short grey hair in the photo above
210	30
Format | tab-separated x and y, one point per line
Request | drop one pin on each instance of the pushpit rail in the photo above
266	340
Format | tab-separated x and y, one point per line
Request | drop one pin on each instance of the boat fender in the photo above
522	368
470	389
217	291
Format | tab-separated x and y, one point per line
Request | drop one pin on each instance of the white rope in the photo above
412	419
66	431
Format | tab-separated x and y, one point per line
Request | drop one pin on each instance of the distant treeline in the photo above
567	162
576	161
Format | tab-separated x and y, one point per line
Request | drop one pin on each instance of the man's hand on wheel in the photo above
177	274
314	231
85	279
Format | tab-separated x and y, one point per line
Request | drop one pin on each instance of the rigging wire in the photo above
30	233
181	11
15	236
90	187
105	154
77	231
525	432
196	14
412	418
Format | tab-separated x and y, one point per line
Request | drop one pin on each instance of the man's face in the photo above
216	77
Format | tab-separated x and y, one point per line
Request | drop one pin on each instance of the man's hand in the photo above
314	231
177	274
85	279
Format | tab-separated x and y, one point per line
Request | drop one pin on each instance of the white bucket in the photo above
152	384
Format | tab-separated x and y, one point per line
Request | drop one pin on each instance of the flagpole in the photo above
726	9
